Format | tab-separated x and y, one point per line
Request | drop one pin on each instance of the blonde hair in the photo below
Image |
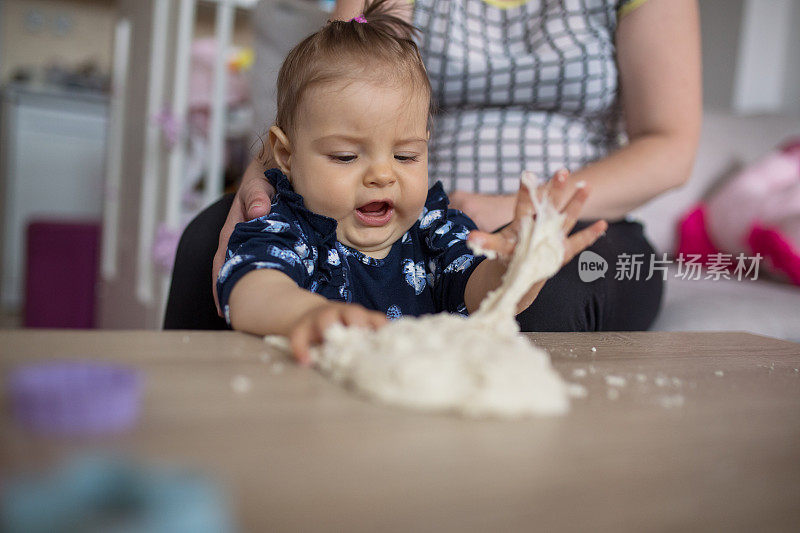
350	49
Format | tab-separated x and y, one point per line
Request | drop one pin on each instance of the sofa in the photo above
763	306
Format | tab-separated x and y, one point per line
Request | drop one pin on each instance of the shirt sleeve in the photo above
452	262
271	241
624	7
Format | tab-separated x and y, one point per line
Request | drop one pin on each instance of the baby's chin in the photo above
371	241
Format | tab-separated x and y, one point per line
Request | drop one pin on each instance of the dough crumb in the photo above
677	382
719	373
662	381
594	348
241	384
616	381
641	378
612	394
579	373
671	401
576	390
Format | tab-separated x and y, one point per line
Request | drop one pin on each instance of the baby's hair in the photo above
351	49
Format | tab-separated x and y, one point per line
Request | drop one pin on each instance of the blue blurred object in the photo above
112	495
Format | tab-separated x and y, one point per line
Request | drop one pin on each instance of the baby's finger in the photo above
300	342
581	240
560	189
327	318
356	316
495	242
377	320
573	208
524	205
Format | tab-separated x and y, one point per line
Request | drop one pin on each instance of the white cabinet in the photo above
51	166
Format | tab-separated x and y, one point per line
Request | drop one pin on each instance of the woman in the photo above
542	85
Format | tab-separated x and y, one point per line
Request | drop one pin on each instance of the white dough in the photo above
476	366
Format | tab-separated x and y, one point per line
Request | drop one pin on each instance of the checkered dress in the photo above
529	87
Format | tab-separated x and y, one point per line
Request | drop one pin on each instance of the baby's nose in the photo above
380	175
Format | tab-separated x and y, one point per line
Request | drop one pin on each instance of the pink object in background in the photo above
201	82
61	274
756	212
694	238
765	193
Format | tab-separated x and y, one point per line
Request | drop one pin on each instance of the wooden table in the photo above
704	436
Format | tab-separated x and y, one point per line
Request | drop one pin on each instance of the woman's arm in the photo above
658	56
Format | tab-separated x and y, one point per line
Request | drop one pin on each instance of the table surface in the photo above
705	435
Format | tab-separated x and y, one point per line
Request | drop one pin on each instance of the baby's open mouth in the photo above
375	213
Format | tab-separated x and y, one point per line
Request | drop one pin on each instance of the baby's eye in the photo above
406	157
342	158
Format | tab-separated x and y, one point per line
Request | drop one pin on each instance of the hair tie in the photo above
360	19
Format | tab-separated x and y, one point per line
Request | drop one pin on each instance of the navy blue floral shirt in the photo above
426	271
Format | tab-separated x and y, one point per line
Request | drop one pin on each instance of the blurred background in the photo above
121	120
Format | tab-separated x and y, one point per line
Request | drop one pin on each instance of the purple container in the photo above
75	397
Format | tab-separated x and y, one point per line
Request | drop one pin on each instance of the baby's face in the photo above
359	155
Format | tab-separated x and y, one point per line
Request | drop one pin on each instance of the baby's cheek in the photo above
327	205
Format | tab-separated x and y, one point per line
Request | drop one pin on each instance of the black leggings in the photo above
565	303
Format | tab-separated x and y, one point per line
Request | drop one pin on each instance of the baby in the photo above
354	236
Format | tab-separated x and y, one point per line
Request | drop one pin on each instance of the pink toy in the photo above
756	212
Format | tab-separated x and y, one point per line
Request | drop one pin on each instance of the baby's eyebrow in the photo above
359	140
412	140
340	137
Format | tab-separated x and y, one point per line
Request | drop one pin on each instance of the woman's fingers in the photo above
581	240
255	195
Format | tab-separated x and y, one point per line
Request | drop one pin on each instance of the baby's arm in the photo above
488	275
268	302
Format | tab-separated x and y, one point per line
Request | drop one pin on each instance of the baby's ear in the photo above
281	149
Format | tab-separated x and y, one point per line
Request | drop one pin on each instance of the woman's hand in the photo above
252	200
309	330
568	197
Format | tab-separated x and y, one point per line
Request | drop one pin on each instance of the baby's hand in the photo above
568	197
308	331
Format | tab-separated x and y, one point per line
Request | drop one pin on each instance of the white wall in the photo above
751	55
